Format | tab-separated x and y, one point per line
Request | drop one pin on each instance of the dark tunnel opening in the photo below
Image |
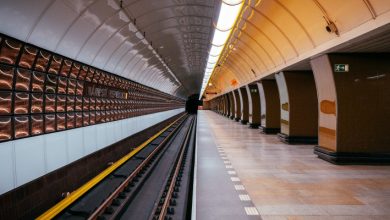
193	103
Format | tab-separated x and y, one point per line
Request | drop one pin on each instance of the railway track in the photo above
153	184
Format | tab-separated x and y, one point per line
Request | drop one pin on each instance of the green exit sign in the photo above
341	67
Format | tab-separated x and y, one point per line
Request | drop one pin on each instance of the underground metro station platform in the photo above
195	109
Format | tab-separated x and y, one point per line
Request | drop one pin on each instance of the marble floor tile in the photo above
290	182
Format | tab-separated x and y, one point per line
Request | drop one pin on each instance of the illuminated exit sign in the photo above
341	67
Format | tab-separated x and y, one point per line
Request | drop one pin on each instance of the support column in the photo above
237	105
226	105
220	105
214	105
232	109
244	105
254	105
270	106
299	110
354	107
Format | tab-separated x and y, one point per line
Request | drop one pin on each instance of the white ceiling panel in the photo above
78	5
97	40
160	43
48	31
69	46
21	14
119	53
107	49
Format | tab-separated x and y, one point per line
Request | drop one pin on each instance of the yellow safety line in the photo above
59	207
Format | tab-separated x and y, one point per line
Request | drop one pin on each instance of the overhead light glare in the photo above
228	15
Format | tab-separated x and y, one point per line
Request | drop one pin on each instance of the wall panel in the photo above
36	156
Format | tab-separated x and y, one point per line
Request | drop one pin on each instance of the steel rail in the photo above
175	175
108	201
77	194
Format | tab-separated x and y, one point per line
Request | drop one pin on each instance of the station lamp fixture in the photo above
228	15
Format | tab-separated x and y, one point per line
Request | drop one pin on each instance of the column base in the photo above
244	122
231	117
254	125
297	139
265	130
237	119
351	158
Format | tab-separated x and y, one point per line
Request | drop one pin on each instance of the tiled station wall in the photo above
44	93
26	159
21	202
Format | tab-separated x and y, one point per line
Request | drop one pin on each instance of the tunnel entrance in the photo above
193	103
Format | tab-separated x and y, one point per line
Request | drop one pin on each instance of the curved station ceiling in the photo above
275	35
167	44
159	43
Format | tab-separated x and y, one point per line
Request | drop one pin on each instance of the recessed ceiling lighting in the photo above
161	47
228	15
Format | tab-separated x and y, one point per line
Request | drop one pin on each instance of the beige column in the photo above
354	107
214	104
298	107
220	105
227	105
253	105
244	105
232	109
237	105
270	106
206	105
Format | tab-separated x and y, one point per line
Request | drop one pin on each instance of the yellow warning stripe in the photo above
59	207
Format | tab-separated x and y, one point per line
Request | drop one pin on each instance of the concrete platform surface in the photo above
241	171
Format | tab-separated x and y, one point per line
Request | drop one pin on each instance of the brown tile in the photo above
331	200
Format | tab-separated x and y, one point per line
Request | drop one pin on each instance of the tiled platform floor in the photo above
290	182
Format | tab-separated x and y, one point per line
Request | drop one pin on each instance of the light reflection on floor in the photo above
290	182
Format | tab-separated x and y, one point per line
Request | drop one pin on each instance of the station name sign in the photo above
95	90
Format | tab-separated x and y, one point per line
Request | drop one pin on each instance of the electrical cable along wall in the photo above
43	92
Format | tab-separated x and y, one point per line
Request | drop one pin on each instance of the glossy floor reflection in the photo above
290	182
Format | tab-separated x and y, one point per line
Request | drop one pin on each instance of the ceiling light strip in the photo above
228	16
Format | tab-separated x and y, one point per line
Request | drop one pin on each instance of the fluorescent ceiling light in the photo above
215	51
230	10
229	13
220	37
212	61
